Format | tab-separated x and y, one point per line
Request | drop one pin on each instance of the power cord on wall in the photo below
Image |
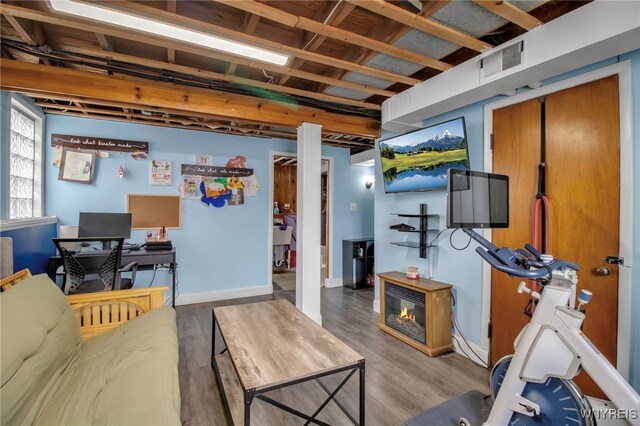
454	321
155	268
451	241
172	270
456	326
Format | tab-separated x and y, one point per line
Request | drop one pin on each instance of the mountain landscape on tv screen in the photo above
420	160
447	140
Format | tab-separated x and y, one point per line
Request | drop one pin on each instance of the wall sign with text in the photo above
218	186
139	150
214	171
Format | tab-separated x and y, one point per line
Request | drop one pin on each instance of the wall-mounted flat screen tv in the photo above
420	160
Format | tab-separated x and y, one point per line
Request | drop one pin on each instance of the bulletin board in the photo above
154	211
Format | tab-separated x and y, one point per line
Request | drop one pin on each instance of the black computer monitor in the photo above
104	225
477	200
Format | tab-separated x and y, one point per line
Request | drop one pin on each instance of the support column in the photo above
308	262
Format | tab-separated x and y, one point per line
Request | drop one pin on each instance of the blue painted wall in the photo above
464	269
217	248
32	247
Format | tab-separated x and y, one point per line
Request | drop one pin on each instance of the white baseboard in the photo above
468	347
332	282
316	318
376	306
226	294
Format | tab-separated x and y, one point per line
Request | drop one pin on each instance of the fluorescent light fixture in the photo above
122	19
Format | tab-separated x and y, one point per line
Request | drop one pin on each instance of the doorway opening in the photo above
284	222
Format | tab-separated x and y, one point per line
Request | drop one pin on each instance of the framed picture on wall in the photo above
77	166
160	172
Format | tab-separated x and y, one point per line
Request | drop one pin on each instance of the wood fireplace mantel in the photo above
437	314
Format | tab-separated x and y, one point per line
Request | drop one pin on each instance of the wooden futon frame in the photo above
101	311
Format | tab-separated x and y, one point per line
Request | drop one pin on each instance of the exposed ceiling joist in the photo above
220	77
182	122
52	99
26	30
104	42
338	12
511	13
251	39
329	31
388	32
291	162
172	7
25	77
162	42
421	23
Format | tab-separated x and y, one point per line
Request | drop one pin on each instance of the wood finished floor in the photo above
400	381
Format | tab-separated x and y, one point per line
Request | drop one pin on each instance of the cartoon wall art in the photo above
219	186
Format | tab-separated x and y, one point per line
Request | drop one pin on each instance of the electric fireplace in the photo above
405	311
417	312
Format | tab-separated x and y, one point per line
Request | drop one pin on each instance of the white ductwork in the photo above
594	32
364	158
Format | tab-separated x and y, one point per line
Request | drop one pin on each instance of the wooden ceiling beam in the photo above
163	118
128	107
26	77
290	161
172	7
104	42
81	107
337	14
388	32
38	97
388	10
249	26
432	6
329	31
162	42
219	77
25	30
511	13
181	122
258	41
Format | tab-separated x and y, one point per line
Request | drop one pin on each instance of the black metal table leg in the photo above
248	400
173	282
213	337
361	367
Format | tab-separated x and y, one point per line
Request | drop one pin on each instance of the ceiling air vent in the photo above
503	62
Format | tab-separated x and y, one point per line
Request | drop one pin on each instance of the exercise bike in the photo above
533	386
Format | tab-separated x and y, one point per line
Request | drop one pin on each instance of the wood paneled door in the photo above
583	185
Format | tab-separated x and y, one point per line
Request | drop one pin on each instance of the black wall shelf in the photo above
422	230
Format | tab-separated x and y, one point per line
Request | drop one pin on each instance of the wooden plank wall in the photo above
285	184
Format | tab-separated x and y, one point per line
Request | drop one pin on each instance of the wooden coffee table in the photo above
257	334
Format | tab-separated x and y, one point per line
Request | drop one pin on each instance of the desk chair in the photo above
92	271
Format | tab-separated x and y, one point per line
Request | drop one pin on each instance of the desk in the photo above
146	260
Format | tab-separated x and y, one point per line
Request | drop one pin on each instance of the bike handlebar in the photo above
518	263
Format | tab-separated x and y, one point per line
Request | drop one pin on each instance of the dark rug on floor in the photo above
470	405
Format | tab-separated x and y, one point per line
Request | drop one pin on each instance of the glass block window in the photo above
22	164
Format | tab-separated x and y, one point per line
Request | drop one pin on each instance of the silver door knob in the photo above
603	270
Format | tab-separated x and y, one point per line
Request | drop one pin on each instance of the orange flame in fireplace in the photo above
405	314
